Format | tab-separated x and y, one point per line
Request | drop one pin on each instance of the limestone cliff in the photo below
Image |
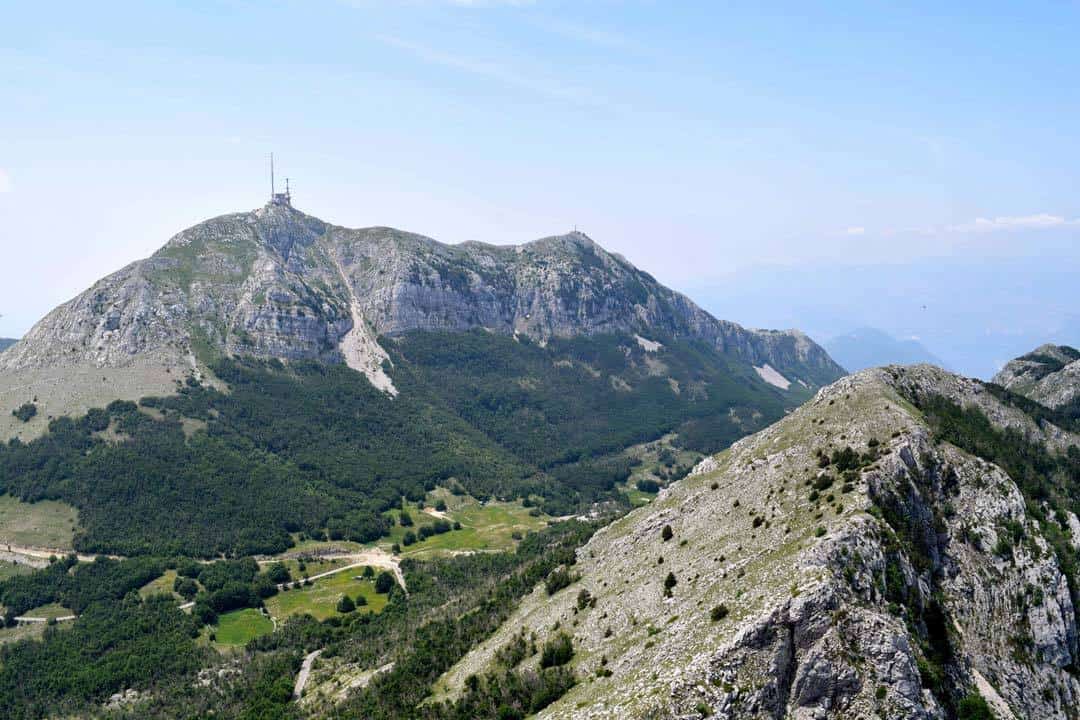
841	563
276	282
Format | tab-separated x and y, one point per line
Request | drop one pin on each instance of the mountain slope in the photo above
849	561
1050	375
278	283
869	347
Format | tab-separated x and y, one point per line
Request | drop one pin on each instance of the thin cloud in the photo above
858	230
495	71
1040	221
5	181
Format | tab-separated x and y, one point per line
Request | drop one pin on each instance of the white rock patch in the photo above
993	699
362	352
771	376
648	345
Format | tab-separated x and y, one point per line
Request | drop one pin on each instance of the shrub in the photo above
278	573
25	412
667	533
719	612
345	605
974	707
557	651
185	587
670	581
558	579
648	485
820	531
583	599
384	583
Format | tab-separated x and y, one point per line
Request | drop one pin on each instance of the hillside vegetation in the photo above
315	448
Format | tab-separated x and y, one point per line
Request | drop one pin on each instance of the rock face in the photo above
278	283
802	591
1050	375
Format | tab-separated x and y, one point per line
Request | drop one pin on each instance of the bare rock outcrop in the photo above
1050	375
813	582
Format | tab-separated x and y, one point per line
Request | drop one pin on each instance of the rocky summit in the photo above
276	282
1050	374
847	562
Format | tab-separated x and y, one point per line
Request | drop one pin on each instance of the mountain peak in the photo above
1050	374
276	282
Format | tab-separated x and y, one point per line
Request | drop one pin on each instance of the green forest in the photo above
121	641
314	448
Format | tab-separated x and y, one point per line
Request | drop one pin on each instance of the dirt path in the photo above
28	620
44	553
305	673
375	557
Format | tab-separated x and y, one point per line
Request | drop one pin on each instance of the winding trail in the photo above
305	673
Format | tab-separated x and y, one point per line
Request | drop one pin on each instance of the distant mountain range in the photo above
870	347
974	312
5	343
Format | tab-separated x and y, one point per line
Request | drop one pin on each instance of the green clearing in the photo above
311	546
46	523
487	527
52	610
312	566
25	631
320	598
10	569
163	585
240	626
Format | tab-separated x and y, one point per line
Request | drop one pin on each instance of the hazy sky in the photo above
697	138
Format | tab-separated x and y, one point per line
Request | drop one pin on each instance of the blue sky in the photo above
699	139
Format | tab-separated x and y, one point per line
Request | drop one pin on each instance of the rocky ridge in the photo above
1050	375
276	282
803	591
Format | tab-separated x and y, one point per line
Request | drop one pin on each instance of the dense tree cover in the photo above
583	397
112	646
307	448
453	603
77	586
316	448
